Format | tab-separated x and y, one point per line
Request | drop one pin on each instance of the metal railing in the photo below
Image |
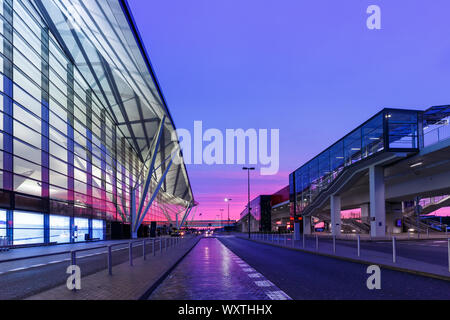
4	243
157	245
328	244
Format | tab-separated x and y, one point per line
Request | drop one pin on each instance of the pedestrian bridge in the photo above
382	166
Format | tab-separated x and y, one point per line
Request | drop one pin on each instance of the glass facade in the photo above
389	130
71	137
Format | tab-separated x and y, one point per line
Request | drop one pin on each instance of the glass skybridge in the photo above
390	130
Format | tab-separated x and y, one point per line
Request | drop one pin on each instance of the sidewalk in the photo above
127	282
367	256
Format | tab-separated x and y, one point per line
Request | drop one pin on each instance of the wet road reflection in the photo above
210	272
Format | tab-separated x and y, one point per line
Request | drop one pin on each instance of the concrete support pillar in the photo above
365	212
297	230
335	208
306	225
377	202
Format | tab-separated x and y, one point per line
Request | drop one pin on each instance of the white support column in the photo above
365	212
306	225
377	202
335	211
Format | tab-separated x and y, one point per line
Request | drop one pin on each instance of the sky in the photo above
310	68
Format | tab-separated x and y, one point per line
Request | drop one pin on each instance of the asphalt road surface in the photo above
308	276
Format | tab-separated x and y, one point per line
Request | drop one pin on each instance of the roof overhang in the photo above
102	41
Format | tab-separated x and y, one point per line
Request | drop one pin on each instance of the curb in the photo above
166	274
386	266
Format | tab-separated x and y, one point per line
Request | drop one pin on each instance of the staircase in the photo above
359	226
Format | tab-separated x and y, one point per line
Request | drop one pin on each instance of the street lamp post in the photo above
228	201
221	211
248	187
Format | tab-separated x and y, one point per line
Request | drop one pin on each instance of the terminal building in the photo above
269	213
380	179
87	143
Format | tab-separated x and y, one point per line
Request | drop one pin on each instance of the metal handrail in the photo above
68	251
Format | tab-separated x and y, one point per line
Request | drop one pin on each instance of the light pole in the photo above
228	201
221	211
248	187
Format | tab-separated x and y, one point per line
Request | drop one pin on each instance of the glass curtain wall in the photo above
57	141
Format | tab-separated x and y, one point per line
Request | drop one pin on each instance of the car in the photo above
176	233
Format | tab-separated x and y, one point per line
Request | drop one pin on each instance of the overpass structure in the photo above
205	224
387	167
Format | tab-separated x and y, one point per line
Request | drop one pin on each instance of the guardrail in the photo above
4	243
329	243
163	244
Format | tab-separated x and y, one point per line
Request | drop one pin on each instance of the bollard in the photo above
334	244
130	251
143	249
394	250
110	260
317	242
73	258
304	241
359	245
428	232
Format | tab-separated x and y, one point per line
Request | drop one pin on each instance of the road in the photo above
308	276
212	272
230	268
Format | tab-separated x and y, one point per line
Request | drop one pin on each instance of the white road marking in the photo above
270	289
17	269
278	295
264	283
255	275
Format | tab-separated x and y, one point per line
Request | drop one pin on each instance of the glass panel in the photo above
402	129
2	223
59	229
373	140
97	229
28	228
81	228
352	148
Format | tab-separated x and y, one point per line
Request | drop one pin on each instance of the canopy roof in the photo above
101	39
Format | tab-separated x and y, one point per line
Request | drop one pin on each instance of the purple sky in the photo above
310	68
